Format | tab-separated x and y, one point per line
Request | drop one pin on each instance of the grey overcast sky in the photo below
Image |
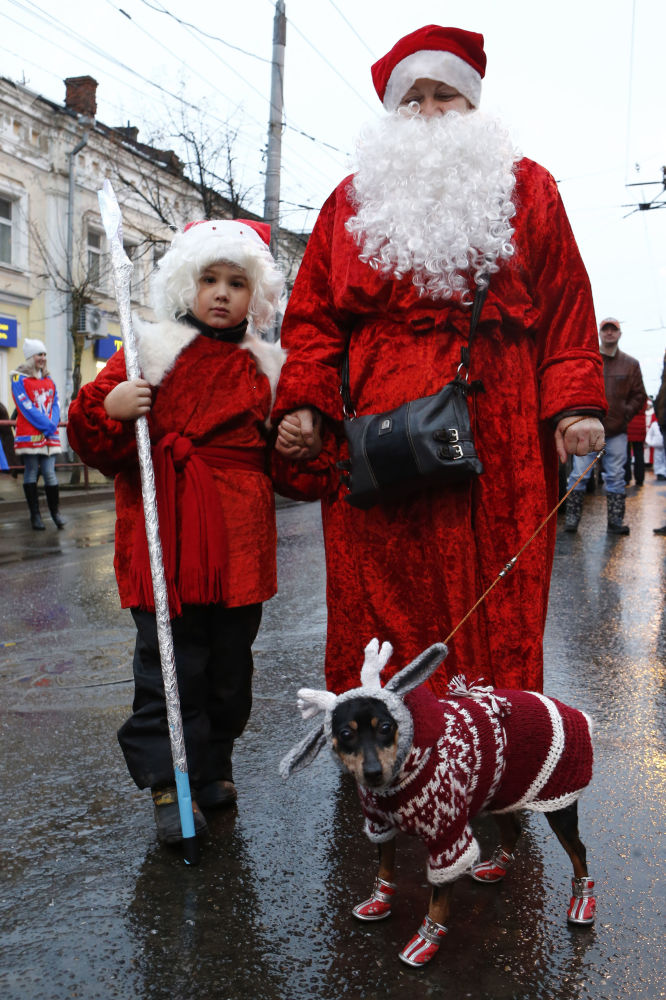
579	84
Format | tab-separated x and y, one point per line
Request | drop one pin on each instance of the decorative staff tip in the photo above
110	210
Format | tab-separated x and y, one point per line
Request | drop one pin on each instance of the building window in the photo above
94	258
13	226
5	231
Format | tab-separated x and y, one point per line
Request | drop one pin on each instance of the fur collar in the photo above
160	344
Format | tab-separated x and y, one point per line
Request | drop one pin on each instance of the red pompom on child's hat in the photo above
235	227
449	55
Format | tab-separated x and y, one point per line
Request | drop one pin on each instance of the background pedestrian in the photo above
626	397
37	438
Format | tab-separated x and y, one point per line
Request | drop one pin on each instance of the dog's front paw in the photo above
424	945
379	905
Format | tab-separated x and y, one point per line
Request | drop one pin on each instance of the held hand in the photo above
129	400
299	434
578	436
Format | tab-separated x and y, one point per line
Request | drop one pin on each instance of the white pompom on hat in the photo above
242	242
449	55
32	347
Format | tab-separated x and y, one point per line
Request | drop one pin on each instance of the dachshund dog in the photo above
427	767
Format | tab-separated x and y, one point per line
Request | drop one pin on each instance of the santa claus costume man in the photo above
440	196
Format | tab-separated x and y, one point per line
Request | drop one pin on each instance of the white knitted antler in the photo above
311	702
374	662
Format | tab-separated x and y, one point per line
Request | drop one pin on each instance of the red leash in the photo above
512	562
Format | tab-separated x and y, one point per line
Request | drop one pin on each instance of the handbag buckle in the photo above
453	452
453	436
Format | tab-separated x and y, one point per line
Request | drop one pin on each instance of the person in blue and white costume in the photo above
37	438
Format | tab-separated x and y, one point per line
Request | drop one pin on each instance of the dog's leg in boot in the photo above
502	858
616	503
53	500
30	490
573	509
425	944
378	906
583	903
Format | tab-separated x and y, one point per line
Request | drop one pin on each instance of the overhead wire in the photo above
351	28
331	66
294	165
630	86
163	10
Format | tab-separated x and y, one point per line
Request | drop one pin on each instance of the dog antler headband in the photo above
311	702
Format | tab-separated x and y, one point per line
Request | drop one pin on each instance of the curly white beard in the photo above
433	197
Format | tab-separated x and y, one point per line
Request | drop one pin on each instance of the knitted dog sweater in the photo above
488	750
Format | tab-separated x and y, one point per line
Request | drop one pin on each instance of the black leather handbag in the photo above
421	443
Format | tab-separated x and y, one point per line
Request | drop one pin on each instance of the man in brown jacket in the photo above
626	396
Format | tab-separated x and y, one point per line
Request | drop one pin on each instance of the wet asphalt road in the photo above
92	907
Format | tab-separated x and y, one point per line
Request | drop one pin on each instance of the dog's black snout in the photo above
372	768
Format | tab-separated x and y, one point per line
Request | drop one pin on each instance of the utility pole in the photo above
272	189
72	320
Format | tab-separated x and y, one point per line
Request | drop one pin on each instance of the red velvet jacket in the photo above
211	393
411	571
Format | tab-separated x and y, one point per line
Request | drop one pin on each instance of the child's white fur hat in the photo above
242	242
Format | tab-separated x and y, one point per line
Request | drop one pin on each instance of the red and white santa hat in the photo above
450	55
243	242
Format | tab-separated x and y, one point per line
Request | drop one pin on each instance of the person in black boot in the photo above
30	490
616	525
37	439
573	510
53	501
660	414
207	391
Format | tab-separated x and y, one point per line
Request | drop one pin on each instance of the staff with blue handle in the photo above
122	269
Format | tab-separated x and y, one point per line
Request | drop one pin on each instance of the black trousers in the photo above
635	450
213	655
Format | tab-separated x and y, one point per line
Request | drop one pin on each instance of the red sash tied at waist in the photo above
194	545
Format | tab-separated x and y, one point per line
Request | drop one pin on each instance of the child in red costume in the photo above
207	390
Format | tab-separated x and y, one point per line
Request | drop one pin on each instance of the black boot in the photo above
615	502
167	816
30	490
573	509
53	500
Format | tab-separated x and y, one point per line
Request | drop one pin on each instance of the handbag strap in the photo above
477	306
465	351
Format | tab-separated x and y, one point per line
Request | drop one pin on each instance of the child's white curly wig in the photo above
232	241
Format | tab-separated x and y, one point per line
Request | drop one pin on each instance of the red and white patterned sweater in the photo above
498	752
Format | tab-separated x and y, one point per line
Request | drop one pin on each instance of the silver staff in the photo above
122	273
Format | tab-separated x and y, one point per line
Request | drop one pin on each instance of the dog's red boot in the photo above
424	945
379	905
583	903
495	869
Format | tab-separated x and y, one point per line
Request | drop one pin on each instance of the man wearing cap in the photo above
626	397
440	197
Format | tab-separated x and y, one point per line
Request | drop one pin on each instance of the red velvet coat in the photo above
411	570
212	393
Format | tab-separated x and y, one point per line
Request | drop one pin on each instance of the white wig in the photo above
174	284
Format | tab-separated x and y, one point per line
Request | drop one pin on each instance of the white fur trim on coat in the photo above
160	344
